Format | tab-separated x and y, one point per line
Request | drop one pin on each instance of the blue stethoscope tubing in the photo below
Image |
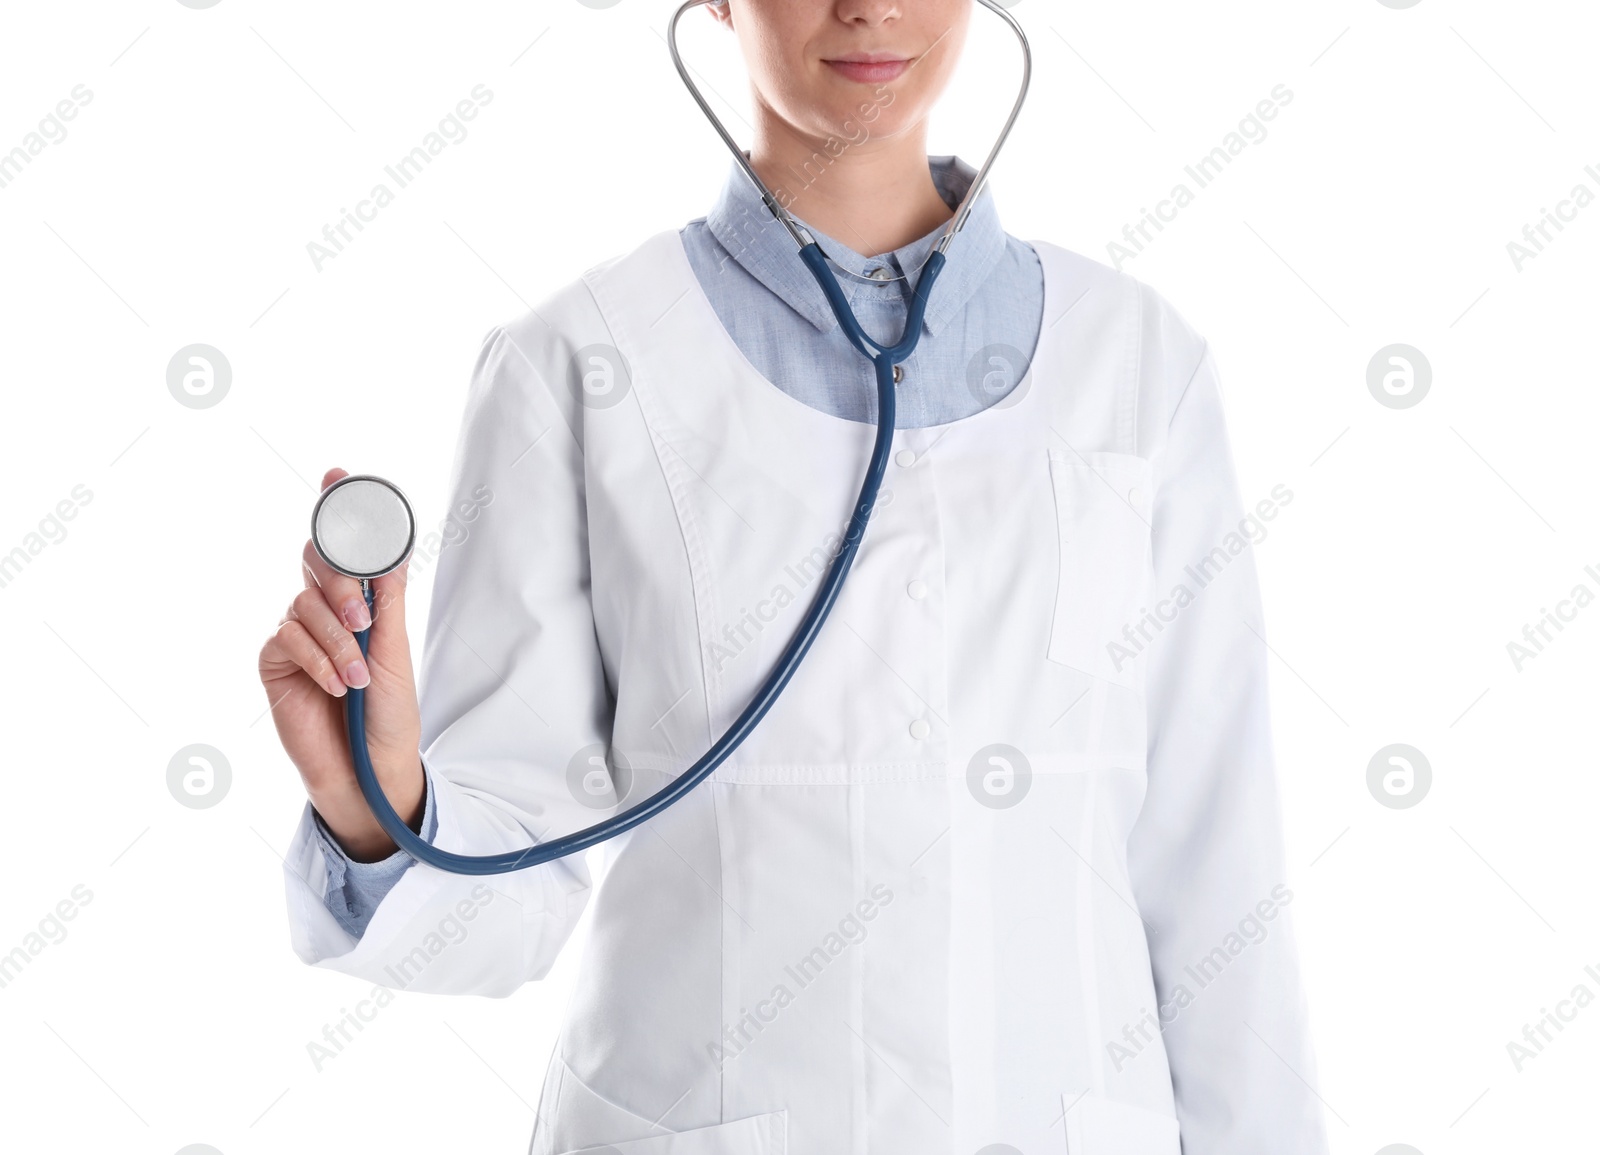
884	359
788	662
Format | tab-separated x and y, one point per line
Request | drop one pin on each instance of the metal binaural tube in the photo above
801	237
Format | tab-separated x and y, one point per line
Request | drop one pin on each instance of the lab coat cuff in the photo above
355	889
434	931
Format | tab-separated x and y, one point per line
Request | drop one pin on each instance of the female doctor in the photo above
1001	870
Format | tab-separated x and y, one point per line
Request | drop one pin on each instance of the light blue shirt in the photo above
988	304
978	337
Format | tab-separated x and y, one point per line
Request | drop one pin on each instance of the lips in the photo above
870	67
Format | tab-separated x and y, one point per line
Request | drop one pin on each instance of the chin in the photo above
867	113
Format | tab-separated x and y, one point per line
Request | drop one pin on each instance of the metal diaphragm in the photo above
363	527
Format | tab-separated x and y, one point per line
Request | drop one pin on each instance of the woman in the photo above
1001	870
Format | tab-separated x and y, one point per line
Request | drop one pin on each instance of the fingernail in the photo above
335	687
355	614
355	675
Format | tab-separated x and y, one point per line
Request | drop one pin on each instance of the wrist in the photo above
356	829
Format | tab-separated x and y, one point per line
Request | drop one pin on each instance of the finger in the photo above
311	610
341	592
292	644
334	474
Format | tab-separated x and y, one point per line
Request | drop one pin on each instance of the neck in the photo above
875	196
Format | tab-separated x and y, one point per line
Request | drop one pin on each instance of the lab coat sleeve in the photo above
512	689
356	888
1206	858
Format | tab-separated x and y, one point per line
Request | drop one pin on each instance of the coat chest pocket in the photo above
1103	503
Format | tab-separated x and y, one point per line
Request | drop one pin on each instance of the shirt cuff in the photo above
356	888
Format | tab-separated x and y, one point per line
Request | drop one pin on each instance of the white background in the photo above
1419	541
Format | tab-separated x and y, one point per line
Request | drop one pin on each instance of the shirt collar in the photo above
749	235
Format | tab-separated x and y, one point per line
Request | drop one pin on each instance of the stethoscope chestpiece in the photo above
363	527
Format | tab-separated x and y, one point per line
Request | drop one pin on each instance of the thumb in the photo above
387	643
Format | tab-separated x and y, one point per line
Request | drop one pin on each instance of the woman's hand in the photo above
307	667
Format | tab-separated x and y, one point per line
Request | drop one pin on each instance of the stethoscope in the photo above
363	526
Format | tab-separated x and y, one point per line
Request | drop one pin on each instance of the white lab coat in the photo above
948	891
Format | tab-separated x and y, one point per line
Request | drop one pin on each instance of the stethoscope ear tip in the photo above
363	527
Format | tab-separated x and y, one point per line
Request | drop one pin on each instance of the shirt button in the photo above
917	590
899	374
905	457
919	729
880	274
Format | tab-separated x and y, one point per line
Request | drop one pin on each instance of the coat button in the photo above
1135	495
905	457
918	589
919	729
